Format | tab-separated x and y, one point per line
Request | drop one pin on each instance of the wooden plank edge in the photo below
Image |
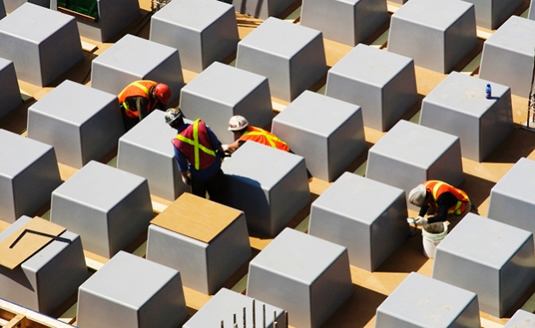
88	47
33	316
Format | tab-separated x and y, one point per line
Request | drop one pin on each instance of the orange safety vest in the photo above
137	88
262	136
437	188
194	142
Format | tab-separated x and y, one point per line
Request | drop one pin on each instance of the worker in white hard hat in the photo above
198	153
244	132
445	201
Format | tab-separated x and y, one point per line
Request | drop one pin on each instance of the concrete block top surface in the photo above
129	280
371	65
298	256
466	94
18	153
412	143
125	55
427	302
437	14
519	181
152	134
316	113
265	165
279	37
33	23
224	84
521	319
516	34
73	102
193	14
357	197
484	241
99	185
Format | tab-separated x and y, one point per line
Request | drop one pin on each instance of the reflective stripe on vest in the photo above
197	146
271	138
435	186
132	113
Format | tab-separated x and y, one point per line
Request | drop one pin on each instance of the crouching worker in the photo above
243	132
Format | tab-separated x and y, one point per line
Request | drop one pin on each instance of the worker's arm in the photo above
444	202
233	146
141	106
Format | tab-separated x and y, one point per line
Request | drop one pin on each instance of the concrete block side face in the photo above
335	19
369	16
7	201
307	67
531	13
25	57
19	286
510	210
10	97
2	10
502	10
220	39
110	79
448	167
496	125
116	15
460	39
95	312
169	72
256	107
398	96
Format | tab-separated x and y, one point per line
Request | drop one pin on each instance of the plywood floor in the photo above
370	289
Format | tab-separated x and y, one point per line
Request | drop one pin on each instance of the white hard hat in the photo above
237	123
417	195
172	115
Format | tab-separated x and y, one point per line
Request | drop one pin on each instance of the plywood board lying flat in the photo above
29	244
196	217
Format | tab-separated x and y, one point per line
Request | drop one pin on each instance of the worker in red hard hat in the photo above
141	97
244	132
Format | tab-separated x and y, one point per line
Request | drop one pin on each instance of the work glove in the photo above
186	180
420	220
225	147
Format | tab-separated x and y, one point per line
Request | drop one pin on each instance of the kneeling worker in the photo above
244	132
449	203
197	152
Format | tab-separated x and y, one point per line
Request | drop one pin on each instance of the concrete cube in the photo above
436	34
307	276
205	259
11	5
512	200
222	91
28	175
365	216
492	13
269	185
410	154
133	58
34	35
348	22
327	132
146	150
508	55
44	281
521	319
420	301
260	8
481	255
292	64
82	123
203	31
381	82
113	16
226	303
531	13
2	10
112	207
131	292
458	106
10	97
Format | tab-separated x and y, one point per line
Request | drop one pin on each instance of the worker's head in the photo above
418	195
237	124
162	92
174	117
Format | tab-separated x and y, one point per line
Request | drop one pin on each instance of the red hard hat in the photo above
163	93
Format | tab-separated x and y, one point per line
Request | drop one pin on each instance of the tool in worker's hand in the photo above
412	226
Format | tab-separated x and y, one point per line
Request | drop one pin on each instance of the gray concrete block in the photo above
348	22
113	16
410	154
82	123
49	277
10	97
146	150
261	8
133	58
327	132
420	301
270	186
112	207
307	276
131	292
436	34
203	31
31	163
458	106
365	216
521	319
222	91
512	200
531	13
381	82
481	255
204	266
507	56
292	64
2	10
11	5
34	34
492	13
226	303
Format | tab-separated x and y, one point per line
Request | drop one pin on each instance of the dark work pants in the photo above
214	187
